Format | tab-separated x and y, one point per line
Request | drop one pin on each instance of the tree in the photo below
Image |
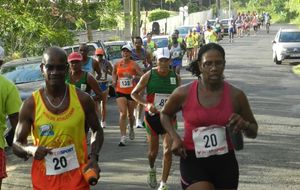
29	26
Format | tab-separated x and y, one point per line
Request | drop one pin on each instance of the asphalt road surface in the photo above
269	162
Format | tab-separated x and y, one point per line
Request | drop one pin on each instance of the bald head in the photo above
54	53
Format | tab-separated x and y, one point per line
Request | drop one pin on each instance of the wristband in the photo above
96	156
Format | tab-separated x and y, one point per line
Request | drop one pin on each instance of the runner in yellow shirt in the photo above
58	117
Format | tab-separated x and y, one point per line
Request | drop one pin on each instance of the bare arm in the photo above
138	70
173	105
13	119
114	75
109	68
141	85
96	67
92	82
20	146
93	122
149	60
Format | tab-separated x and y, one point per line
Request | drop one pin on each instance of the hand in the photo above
92	163
178	148
39	152
237	122
151	108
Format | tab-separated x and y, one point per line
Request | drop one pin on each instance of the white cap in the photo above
163	53
127	46
1	53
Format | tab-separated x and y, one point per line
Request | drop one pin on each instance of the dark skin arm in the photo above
173	105
13	119
23	129
93	122
97	69
92	82
109	68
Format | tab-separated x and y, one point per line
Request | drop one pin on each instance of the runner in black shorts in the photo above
159	83
127	96
212	110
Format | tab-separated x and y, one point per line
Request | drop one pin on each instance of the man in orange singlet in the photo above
58	116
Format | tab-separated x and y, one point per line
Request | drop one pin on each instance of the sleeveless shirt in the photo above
195	115
57	131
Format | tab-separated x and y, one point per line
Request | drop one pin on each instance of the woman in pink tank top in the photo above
212	110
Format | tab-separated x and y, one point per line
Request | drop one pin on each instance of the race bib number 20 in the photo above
61	160
210	141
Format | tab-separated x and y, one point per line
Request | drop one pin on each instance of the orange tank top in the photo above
125	74
65	134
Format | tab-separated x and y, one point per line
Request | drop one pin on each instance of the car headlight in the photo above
283	50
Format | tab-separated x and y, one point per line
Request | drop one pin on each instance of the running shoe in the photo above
163	187
103	124
152	178
139	124
123	141
131	133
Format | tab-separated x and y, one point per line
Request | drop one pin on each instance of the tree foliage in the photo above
30	26
158	14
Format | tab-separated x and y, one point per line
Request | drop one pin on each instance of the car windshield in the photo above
224	22
114	51
184	30
23	73
161	42
289	37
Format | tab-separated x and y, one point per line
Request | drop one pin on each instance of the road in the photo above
269	162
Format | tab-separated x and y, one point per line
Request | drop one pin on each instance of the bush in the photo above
158	14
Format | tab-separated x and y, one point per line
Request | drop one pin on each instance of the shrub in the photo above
158	14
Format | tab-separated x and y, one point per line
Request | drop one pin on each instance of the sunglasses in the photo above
52	67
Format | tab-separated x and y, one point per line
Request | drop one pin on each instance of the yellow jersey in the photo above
65	134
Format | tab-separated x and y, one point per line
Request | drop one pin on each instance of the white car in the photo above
161	41
113	50
286	46
92	46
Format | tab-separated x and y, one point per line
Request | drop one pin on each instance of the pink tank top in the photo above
195	115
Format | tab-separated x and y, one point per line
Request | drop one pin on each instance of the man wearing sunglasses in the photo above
57	116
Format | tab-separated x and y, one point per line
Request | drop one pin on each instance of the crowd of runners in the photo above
69	112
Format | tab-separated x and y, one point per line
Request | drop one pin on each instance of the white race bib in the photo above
140	64
61	160
83	87
210	141
160	100
125	82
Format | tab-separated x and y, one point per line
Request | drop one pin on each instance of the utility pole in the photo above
229	11
127	19
136	18
218	8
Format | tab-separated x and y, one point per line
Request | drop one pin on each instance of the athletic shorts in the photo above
127	96
3	173
220	170
153	125
176	62
103	86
